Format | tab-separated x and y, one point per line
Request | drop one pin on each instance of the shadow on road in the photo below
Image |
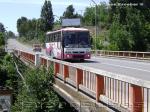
79	61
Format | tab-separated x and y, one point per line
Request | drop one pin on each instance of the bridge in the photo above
103	83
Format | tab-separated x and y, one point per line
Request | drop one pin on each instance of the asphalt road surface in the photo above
132	68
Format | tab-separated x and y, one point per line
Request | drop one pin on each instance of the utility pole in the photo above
36	34
95	21
6	34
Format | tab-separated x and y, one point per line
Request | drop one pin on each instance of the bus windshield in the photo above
76	39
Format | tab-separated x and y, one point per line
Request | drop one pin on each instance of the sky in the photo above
11	10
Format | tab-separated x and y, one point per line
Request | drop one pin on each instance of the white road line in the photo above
127	61
126	67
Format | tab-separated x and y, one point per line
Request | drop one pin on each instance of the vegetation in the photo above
131	26
33	94
2	36
47	16
119	26
8	75
2	40
2	29
36	28
102	15
70	13
38	94
128	26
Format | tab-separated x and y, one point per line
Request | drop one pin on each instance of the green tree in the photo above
38	94
47	16
136	26
102	15
22	26
135	22
2	39
10	34
2	29
89	16
119	38
69	13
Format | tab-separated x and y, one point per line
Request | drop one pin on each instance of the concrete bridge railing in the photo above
124	54
116	90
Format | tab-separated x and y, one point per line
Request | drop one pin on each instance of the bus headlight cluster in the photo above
87	51
68	56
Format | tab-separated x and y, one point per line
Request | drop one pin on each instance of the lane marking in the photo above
128	61
127	67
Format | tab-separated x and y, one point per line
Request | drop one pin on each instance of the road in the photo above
127	67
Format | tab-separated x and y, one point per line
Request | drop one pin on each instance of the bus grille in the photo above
77	52
78	56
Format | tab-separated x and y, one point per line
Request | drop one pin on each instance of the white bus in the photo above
69	44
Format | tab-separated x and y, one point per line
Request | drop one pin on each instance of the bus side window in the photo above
59	37
52	38
55	38
46	38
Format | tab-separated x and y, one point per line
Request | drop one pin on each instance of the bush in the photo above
2	39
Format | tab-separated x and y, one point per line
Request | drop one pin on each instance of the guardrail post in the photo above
48	64
137	98
79	77
56	68
143	55
65	72
37	59
136	55
99	86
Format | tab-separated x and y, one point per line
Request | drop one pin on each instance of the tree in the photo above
89	16
47	16
2	29
38	93
2	39
102	15
134	20
119	38
136	26
10	34
21	26
69	13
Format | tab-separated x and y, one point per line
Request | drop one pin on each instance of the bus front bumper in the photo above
77	56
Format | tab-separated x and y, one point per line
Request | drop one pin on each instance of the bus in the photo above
37	47
69	44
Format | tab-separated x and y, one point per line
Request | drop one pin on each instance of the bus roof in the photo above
68	29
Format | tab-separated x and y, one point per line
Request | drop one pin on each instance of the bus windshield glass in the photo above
76	39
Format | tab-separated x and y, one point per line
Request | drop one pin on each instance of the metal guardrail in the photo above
122	54
131	94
